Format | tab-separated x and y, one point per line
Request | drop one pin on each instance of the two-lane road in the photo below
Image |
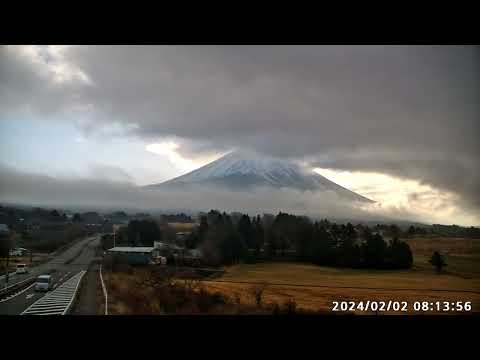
64	266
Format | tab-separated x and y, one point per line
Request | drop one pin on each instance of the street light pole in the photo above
8	271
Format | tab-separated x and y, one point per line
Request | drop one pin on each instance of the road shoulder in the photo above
90	297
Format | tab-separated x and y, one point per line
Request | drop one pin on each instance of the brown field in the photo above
132	293
444	245
182	227
314	288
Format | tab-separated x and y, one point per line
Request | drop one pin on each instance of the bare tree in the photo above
237	298
257	292
192	284
290	306
6	244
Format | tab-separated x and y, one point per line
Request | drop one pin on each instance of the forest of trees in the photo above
180	218
224	241
137	233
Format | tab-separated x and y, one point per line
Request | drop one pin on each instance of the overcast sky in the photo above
399	124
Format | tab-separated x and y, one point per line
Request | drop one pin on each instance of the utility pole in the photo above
8	273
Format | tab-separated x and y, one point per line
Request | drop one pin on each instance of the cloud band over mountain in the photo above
408	111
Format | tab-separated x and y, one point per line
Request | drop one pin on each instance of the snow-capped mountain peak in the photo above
241	170
244	163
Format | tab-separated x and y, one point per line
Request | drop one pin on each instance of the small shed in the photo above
135	255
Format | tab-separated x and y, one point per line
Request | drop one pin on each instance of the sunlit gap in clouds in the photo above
396	194
170	150
381	187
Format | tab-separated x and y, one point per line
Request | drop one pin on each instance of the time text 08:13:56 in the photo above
402	306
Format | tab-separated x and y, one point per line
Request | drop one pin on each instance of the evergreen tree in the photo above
143	232
399	255
394	230
233	247
203	228
437	261
271	242
347	237
323	250
246	231
374	251
193	240
411	231
259	235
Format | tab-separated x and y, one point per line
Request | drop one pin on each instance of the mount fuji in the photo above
243	170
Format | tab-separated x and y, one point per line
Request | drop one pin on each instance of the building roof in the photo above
137	249
19	249
160	244
4	227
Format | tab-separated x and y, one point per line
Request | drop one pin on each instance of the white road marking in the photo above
16	294
30	296
59	300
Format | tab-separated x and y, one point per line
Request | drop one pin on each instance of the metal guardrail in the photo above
59	301
9	274
105	294
9	290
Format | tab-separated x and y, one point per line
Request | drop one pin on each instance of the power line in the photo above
339	287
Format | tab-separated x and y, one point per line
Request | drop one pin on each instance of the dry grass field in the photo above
131	293
314	287
182	227
445	245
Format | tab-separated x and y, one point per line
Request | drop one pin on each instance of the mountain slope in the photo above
243	170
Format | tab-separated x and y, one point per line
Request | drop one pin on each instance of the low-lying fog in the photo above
31	189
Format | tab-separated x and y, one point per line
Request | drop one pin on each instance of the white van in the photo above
21	269
43	283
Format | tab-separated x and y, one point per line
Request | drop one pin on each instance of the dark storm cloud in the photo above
407	111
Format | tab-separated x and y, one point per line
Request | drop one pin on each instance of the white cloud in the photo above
51	62
405	197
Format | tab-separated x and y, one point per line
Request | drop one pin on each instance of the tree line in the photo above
224	241
137	233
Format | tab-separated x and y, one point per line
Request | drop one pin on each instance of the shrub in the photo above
108	262
257	292
237	299
290	307
120	264
276	309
